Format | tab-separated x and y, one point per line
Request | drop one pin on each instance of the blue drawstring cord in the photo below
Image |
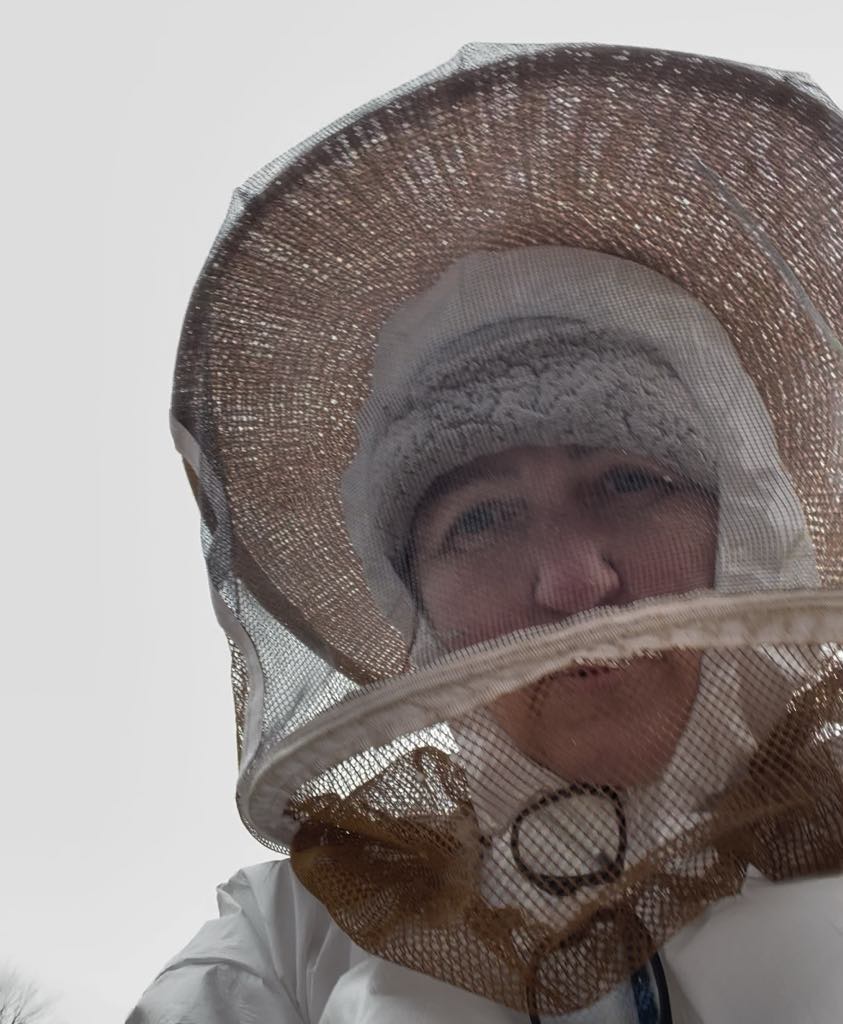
652	1007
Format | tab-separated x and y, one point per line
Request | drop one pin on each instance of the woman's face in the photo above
534	535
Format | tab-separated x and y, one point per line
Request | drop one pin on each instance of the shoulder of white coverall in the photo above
273	954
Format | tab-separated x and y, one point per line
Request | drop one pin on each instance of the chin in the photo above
616	768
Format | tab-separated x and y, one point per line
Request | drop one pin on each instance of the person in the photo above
611	766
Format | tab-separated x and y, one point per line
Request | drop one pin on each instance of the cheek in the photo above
465	608
671	553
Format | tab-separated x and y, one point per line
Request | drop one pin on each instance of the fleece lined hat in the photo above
553	345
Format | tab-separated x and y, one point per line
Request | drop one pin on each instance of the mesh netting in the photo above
513	405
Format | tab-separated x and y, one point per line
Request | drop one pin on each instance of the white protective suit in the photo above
772	955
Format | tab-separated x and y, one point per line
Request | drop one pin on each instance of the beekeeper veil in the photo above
512	403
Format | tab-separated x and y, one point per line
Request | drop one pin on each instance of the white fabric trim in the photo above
475	676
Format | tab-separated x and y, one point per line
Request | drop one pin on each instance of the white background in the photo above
125	129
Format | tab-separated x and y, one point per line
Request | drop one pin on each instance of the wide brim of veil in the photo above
721	177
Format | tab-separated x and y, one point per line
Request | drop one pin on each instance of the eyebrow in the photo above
581	451
460	477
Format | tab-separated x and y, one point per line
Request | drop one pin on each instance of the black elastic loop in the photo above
562	885
665	1014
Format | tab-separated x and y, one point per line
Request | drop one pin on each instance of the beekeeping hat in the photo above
722	178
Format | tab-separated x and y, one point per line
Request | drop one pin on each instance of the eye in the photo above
635	480
482	520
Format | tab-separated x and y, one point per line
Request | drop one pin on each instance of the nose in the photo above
572	572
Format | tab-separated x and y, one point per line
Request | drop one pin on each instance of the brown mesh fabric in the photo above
408	883
531	559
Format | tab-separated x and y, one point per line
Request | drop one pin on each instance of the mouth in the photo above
606	666
591	673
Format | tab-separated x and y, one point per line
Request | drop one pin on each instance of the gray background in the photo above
130	126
